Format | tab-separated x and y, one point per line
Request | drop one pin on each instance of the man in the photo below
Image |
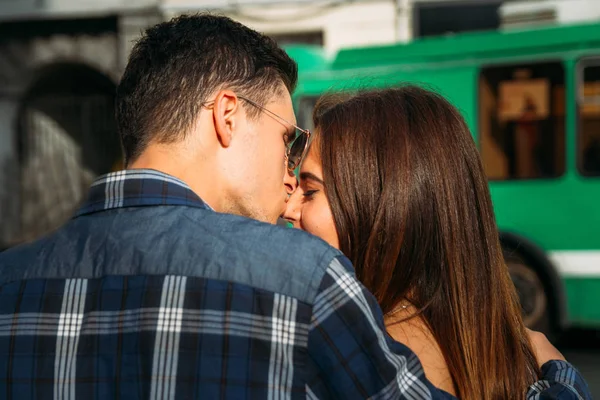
156	290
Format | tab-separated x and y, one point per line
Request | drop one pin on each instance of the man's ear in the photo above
225	116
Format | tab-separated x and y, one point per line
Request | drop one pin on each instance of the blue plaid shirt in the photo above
147	293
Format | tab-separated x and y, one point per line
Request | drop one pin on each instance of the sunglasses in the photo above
297	147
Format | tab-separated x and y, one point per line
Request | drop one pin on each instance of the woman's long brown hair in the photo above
413	213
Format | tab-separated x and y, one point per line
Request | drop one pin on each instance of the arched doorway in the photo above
67	137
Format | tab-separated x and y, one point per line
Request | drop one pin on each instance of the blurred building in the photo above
331	24
60	61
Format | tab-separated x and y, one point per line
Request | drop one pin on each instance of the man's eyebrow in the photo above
310	176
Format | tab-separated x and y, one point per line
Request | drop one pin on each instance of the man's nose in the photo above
292	208
291	182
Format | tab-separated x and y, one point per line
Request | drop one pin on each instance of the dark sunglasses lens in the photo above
297	149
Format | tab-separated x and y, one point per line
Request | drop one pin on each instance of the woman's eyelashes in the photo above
308	194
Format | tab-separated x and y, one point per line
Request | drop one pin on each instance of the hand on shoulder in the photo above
544	350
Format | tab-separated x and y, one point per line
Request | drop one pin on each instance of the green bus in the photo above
532	100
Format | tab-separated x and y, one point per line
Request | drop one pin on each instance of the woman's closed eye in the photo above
308	194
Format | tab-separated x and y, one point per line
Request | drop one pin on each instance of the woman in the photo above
393	179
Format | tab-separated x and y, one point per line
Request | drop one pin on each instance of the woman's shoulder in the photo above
415	334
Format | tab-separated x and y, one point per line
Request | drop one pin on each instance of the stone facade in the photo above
35	190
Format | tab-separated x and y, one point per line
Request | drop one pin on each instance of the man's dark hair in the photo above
177	64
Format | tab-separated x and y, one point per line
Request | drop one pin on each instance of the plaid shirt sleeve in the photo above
349	348
560	380
355	358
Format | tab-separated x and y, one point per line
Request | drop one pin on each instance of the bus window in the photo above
589	121
522	121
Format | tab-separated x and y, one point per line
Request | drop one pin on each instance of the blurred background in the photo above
526	75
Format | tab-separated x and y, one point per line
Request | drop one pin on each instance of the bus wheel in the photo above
532	295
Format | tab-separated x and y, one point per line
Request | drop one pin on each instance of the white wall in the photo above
577	10
567	11
344	24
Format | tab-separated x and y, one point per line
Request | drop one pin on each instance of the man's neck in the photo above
202	181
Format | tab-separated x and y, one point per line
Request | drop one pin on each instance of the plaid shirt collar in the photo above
138	188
